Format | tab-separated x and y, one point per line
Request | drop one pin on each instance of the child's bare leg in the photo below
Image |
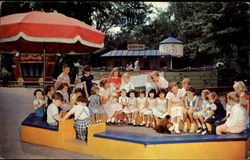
222	129
209	127
185	115
190	115
201	118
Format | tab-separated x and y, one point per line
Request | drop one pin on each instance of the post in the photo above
44	67
171	63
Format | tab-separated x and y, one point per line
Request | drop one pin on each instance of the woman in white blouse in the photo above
238	119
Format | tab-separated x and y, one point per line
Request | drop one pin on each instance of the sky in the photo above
160	5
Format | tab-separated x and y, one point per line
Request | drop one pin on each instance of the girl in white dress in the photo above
150	105
131	109
160	111
141	105
126	83
175	106
108	100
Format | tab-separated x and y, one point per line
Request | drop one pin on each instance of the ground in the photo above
15	106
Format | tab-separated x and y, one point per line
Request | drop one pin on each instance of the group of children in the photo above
116	98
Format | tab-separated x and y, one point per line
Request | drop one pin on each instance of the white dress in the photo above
161	106
131	106
141	104
177	106
111	106
149	109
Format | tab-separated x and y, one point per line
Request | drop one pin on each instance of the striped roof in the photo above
138	53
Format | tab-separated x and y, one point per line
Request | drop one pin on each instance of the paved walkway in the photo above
15	106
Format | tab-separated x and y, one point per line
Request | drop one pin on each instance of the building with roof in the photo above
149	59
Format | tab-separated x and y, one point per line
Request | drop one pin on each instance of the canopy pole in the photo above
44	66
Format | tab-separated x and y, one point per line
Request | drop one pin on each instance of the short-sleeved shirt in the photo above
62	78
37	101
176	99
149	86
79	113
52	110
95	100
162	83
127	86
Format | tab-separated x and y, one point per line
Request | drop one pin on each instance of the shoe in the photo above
185	127
112	120
199	130
147	125
142	124
192	128
134	124
172	128
153	124
176	129
204	132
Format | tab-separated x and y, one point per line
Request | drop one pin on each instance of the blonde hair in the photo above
155	73
116	69
233	96
94	90
186	80
214	97
240	86
125	75
172	85
206	93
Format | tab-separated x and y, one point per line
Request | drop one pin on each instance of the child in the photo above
63	89
175	106
191	106
150	105
52	112
161	82
185	85
204	110
49	91
150	84
162	126
131	109
123	100
141	105
218	112
110	106
160	111
94	105
63	77
126	83
115	79
238	119
241	89
82	117
77	93
87	78
39	103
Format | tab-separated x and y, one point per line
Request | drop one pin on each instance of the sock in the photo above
199	125
203	126
113	120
